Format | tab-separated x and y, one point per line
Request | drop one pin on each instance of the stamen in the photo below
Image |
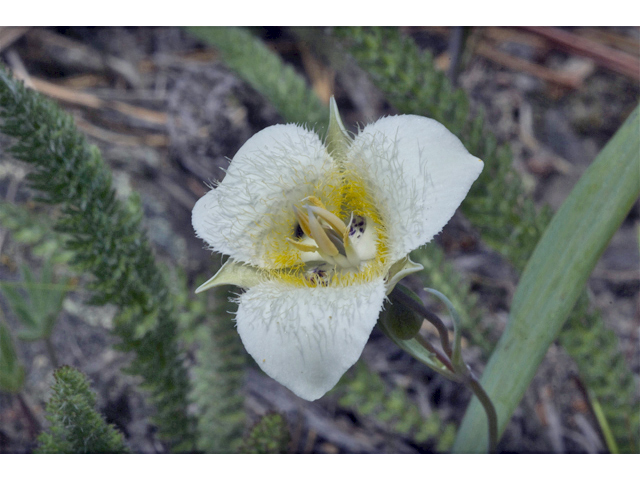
303	221
336	240
318	234
315	201
321	234
333	221
305	247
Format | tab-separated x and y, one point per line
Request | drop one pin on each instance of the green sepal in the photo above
338	139
233	273
401	269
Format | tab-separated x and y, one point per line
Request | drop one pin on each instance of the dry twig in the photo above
606	57
8	35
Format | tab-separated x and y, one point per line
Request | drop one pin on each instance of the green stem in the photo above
51	352
596	410
441	356
34	424
459	368
475	386
428	315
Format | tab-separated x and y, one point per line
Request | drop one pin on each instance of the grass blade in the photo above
555	276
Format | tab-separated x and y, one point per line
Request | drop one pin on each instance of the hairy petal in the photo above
276	167
418	172
307	338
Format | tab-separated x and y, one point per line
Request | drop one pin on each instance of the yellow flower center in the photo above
338	240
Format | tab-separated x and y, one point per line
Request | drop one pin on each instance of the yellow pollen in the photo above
329	248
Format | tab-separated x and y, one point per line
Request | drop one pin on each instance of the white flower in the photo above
319	233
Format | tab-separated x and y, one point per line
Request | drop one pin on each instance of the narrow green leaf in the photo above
555	276
12	373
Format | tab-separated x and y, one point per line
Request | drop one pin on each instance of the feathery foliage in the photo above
269	435
218	377
263	70
40	305
108	241
364	392
34	230
602	367
76	427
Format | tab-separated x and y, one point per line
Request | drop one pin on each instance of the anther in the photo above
319	235
333	221
303	221
305	247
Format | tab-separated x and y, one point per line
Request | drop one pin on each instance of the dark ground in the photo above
194	113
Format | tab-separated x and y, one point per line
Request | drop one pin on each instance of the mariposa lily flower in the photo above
318	234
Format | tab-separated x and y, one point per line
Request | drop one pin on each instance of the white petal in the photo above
307	338
278	166
418	173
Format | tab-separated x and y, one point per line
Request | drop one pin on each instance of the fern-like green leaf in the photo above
40	305
270	435
364	392
218	379
603	368
107	240
34	230
75	426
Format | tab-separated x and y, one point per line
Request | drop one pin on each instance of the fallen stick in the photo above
522	65
87	100
606	57
8	35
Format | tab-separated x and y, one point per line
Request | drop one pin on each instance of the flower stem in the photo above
428	315
441	356
455	365
472	382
